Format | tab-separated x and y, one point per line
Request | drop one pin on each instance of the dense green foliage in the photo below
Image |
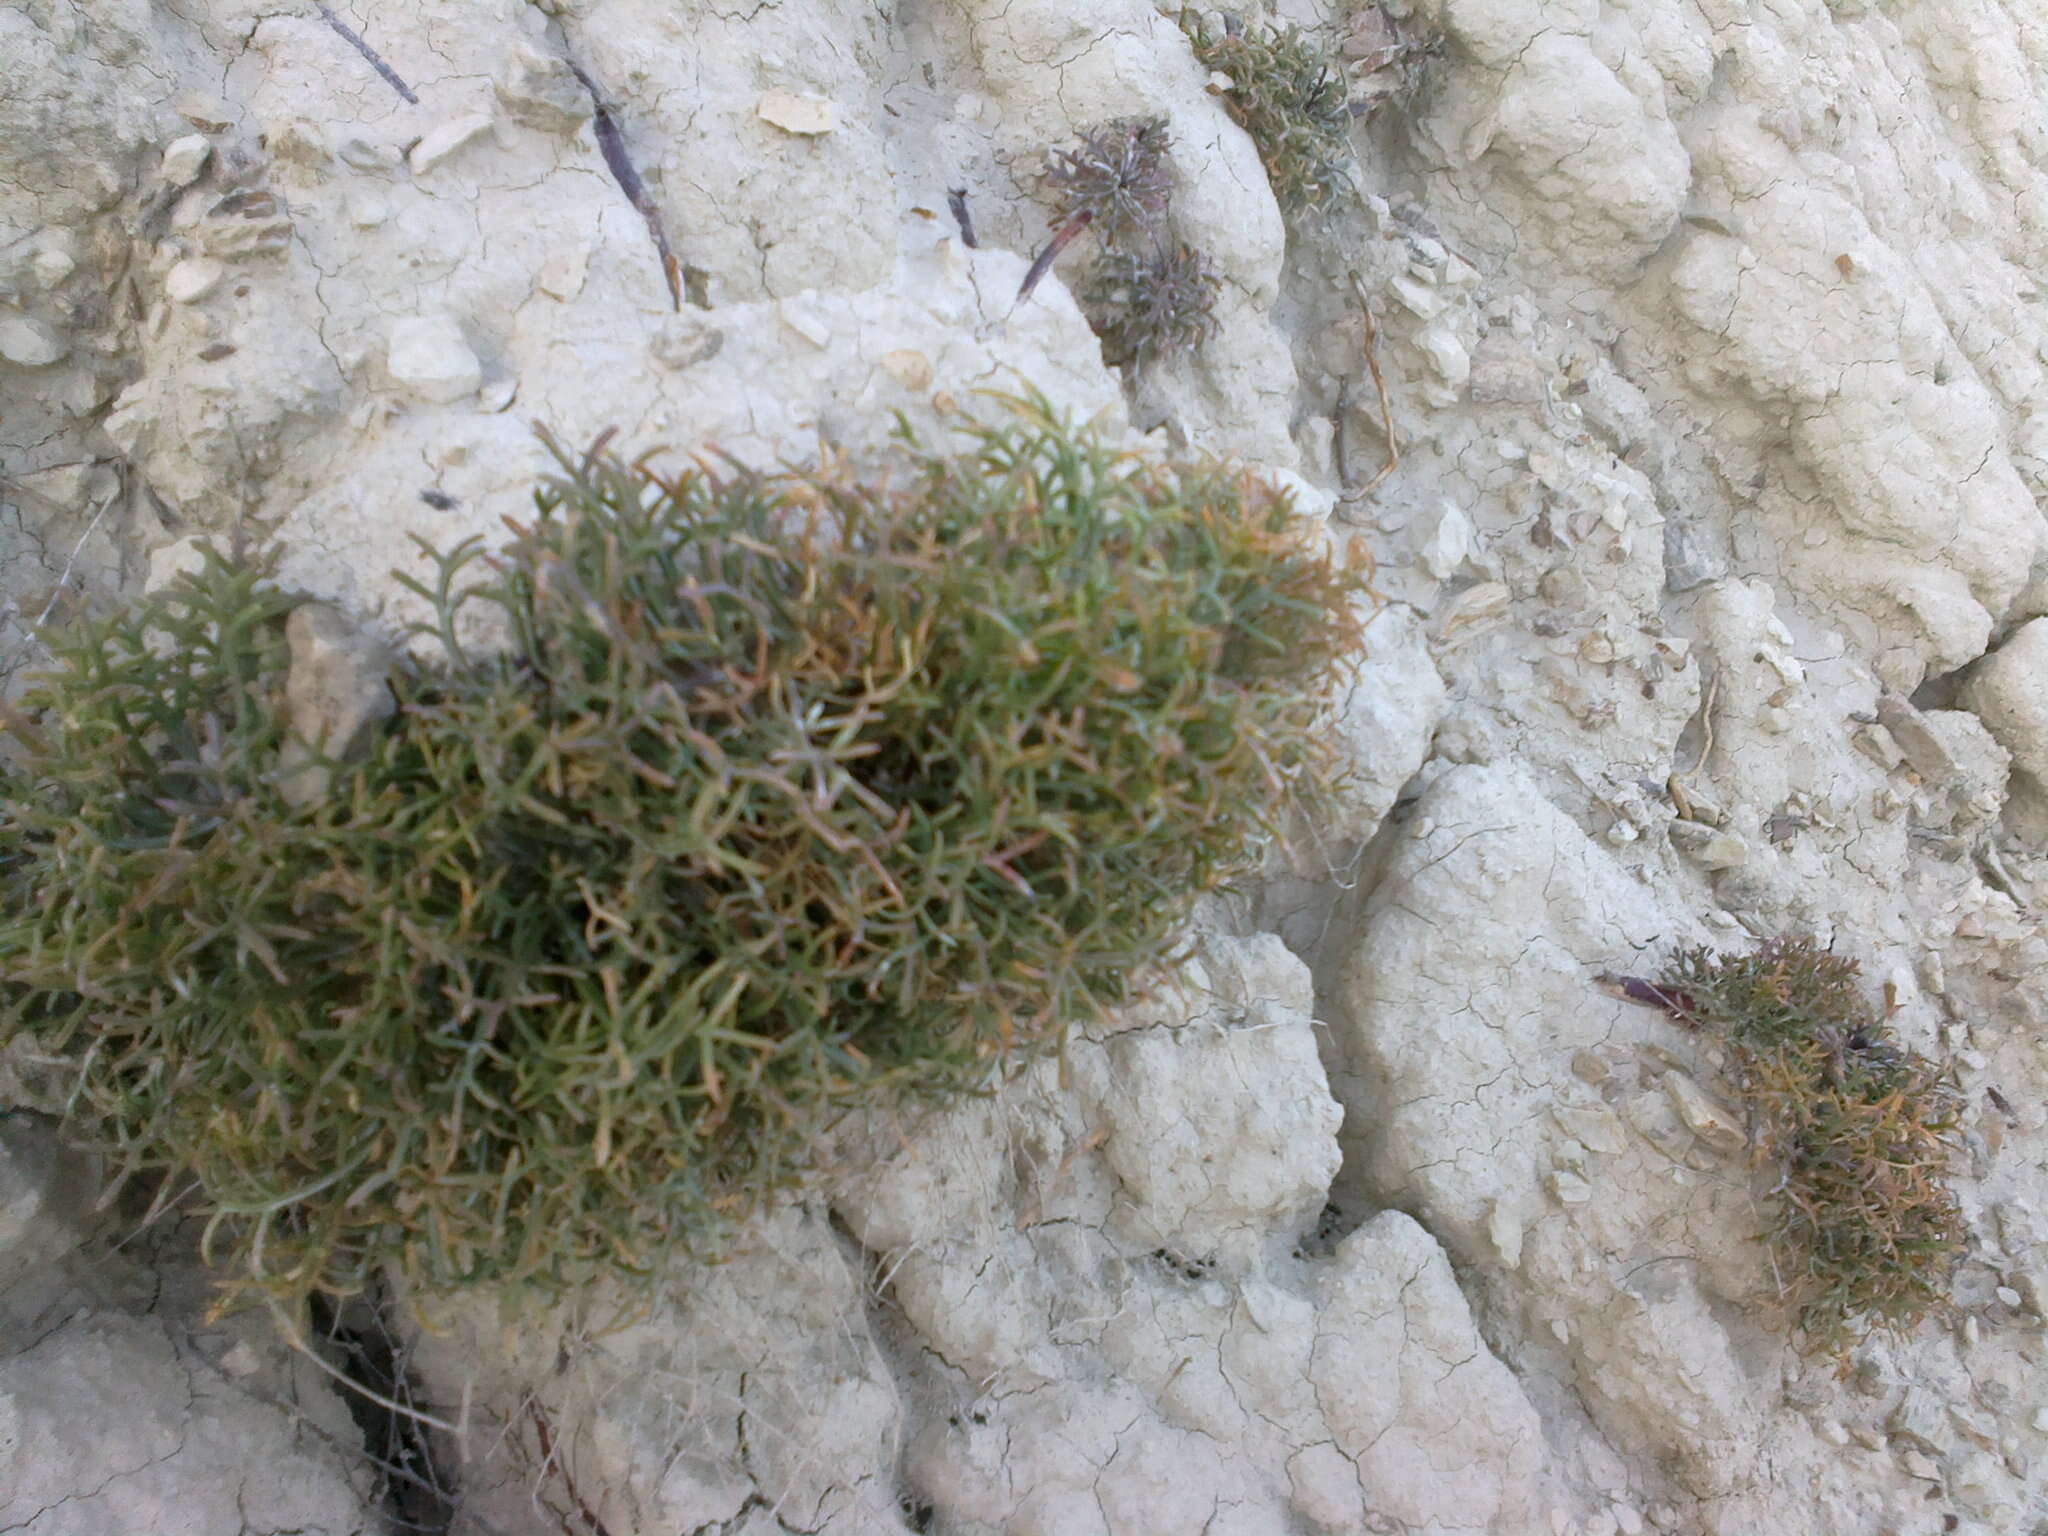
1855	1130
1288	93
788	789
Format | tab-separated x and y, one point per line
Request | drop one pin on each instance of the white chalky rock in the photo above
446	139
46	1195
754	1380
1775	267
193	279
1385	718
30	342
2009	692
430	359
1441	1434
106	1431
804	116
337	689
54	261
1223	1128
541	91
1465	1003
184	159
1449	543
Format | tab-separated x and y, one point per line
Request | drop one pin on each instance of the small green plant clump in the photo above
1119	176
1151	306
1856	1129
790	789
1289	94
1147	299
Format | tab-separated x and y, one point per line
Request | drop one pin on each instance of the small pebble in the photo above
51	266
367	210
2009	1296
908	367
1570	1188
1920	1466
431	359
805	116
800	317
441	142
240	1360
1627	1520
184	159
193	279
29	342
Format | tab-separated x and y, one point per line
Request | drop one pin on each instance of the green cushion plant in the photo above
1288	92
783	791
1856	1133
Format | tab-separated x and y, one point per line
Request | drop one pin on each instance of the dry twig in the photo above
1379	383
612	143
354	39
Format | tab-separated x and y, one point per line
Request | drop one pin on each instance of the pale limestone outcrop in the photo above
1710	350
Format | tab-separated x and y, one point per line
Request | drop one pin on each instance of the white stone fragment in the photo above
2009	691
184	159
29	342
1504	1231
1478	610
1703	1115
430	359
336	690
793	113
1921	1419
1447	355
908	367
1397	1366
540	91
1385	719
563	274
1420	299
192	279
1570	1188
445	139
1449	544
52	264
1597	1130
800	314
1218	1135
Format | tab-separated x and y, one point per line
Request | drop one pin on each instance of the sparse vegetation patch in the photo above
1857	1130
